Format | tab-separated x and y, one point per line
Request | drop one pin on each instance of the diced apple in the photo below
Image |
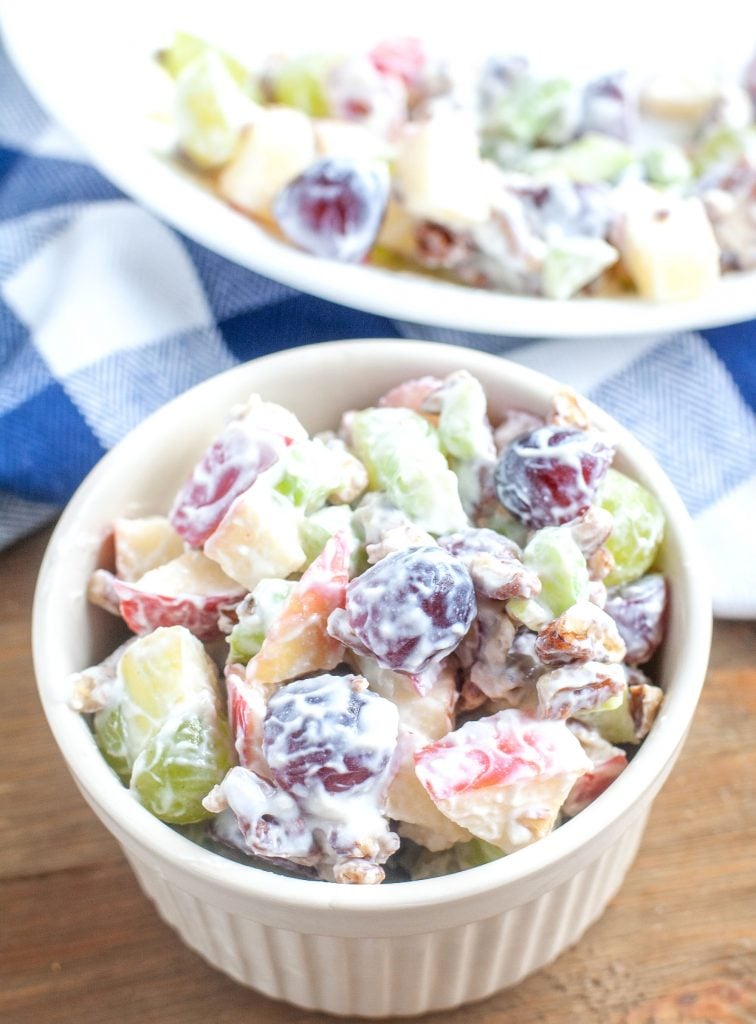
297	642
159	672
608	762
398	232
580	686
273	150
426	705
505	777
258	414
349	140
631	719
246	711
669	249
188	591
258	536
143	544
249	444
408	802
413	394
439	172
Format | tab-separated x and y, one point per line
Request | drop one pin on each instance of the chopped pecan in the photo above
582	633
440	248
568	410
501	579
579	687
600	564
516	423
592	528
644	700
358	872
397	539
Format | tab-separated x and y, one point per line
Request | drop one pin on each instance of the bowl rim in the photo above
104	791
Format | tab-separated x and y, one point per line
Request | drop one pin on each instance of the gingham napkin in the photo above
106	313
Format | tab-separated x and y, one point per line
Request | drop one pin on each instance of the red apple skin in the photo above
144	611
593	783
228	468
246	711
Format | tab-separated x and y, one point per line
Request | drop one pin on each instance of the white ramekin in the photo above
388	950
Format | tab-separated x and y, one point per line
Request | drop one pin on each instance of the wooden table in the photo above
80	943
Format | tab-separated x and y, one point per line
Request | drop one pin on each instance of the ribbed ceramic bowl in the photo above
398	949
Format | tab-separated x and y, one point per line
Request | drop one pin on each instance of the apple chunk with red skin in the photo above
188	591
297	641
608	762
248	445
246	713
504	778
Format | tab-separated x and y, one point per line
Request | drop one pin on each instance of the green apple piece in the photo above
179	766
300	83
210	111
560	565
110	736
638	527
255	614
401	452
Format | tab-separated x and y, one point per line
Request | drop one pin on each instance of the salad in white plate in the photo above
397	649
488	173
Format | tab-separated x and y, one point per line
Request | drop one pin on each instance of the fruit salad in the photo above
487	173
399	648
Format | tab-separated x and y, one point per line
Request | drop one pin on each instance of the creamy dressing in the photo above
324	759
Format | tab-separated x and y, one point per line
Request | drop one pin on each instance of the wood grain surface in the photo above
80	943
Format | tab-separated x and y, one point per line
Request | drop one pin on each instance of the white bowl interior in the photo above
142	474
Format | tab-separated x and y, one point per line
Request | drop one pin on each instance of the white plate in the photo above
88	63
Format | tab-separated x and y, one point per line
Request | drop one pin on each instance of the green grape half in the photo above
110	736
179	766
638	528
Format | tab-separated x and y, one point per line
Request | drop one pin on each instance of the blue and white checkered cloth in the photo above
106	313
